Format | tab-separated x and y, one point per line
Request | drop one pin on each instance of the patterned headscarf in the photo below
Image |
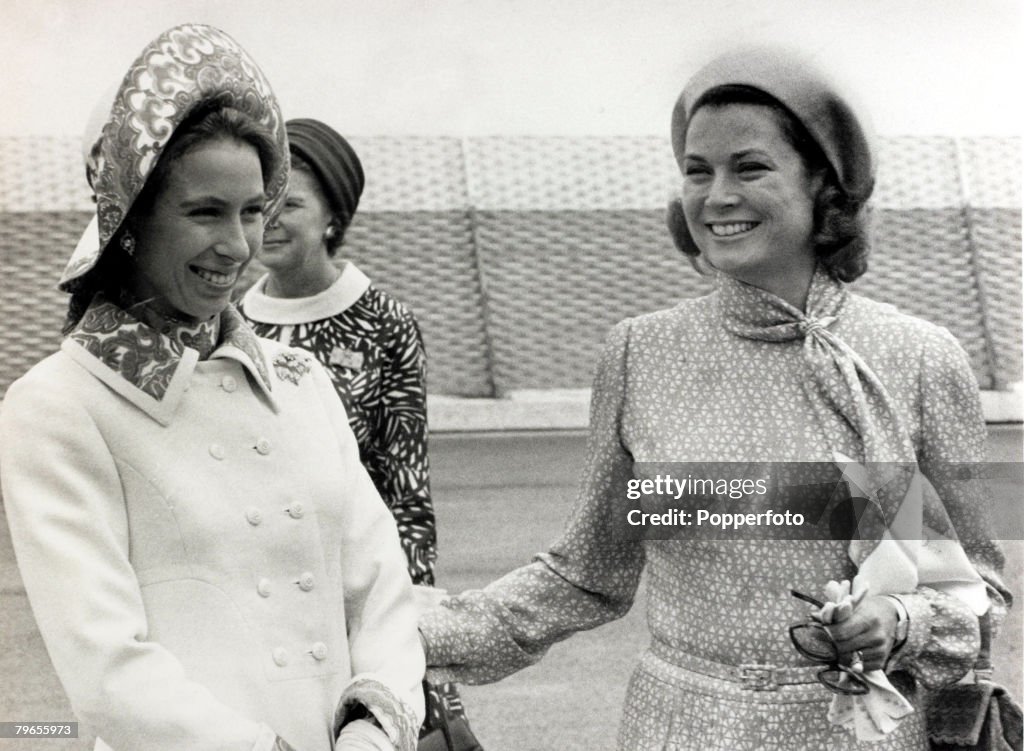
186	67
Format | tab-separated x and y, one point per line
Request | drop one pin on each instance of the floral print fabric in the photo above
147	358
677	385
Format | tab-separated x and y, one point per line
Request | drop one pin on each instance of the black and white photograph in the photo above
479	375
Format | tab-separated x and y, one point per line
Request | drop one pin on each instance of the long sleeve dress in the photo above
720	672
207	560
371	347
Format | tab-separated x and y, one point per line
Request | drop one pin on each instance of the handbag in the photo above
444	729
978	716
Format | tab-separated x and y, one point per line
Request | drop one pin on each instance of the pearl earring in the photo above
128	243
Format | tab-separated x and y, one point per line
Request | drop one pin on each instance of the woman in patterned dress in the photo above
367	340
780	364
209	563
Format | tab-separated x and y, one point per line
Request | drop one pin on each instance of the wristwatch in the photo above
902	623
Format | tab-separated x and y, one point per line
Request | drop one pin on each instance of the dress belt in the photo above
752	676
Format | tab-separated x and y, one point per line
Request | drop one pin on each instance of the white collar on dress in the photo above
337	298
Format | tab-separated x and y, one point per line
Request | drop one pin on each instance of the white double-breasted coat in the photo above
207	560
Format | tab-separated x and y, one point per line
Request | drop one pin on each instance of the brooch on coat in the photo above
347	358
291	367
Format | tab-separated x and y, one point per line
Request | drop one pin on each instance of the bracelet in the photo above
902	623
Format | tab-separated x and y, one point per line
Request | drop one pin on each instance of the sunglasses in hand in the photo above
812	640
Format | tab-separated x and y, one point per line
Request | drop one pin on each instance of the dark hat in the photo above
812	99
334	162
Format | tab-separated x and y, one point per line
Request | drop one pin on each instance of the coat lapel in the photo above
150	369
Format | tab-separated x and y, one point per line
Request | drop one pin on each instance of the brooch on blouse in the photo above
347	358
291	367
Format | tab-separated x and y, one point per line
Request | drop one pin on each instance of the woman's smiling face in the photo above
296	239
747	196
205	225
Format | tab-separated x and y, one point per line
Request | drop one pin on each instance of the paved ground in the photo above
500	498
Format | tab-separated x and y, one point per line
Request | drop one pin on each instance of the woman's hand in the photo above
362	735
870	629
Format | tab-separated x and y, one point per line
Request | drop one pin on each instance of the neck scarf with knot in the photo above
839	382
903	510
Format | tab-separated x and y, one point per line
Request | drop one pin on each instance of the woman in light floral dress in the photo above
781	363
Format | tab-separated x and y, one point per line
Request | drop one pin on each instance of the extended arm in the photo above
587	578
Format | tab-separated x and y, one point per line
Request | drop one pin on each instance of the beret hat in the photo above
805	92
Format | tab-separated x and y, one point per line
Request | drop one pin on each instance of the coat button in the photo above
306	582
296	510
228	383
319	651
263	446
280	657
254	516
216	451
263	587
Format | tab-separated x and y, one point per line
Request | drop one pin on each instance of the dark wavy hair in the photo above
840	232
112	271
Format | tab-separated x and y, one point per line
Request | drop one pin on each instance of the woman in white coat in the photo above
209	564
